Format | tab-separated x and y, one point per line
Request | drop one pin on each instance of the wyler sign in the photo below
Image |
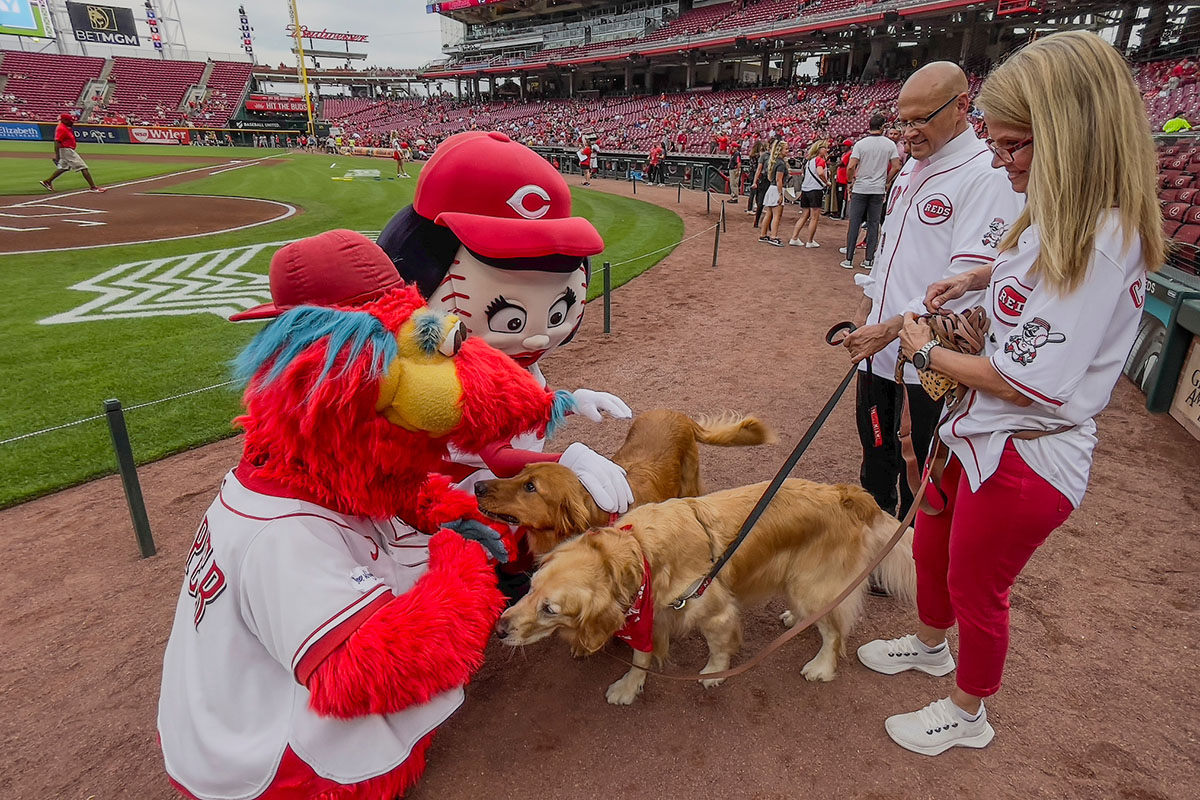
103	24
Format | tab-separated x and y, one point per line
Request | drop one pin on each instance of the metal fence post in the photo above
707	202
724	227
679	192
716	242
635	185
607	297
129	478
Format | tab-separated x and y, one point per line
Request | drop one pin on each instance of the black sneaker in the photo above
776	242
765	239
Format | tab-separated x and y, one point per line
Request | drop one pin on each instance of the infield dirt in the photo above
1099	695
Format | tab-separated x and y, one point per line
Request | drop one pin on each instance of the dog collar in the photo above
639	619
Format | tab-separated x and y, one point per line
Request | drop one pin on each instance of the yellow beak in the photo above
421	390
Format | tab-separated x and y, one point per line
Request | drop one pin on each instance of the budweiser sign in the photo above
334	36
160	135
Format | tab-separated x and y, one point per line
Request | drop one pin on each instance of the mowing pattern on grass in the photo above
59	373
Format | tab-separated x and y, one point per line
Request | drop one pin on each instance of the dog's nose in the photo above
501	627
481	489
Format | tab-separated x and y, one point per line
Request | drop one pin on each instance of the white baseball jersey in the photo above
945	215
272	586
1063	352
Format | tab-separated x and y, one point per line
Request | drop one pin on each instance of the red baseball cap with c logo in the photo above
501	199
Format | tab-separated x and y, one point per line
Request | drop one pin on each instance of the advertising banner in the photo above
284	104
27	131
91	133
160	135
103	24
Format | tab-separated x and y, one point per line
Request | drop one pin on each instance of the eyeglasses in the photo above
1007	155
905	124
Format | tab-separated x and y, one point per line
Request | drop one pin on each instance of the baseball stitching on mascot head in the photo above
490	238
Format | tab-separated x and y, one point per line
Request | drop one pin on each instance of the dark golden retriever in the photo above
810	542
661	461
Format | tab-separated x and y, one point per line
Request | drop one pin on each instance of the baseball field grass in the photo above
55	374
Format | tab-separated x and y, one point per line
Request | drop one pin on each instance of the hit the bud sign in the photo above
108	25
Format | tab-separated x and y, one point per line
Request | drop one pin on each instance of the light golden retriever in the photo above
661	461
810	542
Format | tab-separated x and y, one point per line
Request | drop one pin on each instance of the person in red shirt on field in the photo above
655	174
65	157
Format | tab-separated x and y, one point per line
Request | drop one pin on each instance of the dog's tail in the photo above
898	571
732	430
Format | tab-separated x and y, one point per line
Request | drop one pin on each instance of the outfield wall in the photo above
11	130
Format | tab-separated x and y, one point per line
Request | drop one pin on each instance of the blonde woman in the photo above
772	204
1065	121
812	195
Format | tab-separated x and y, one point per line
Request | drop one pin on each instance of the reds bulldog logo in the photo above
936	209
1036	333
1009	303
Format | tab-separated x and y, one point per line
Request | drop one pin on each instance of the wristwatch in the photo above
920	359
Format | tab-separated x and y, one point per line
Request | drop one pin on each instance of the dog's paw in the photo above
712	683
788	619
623	692
817	671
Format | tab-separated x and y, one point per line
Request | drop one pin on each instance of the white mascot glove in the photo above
604	480
590	404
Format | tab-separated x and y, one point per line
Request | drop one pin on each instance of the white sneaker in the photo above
937	727
890	656
847	264
842	250
812	244
796	243
868	264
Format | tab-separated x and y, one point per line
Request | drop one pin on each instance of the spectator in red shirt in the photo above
65	157
841	179
655	173
722	143
682	141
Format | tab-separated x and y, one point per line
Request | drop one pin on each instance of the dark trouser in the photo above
760	194
839	194
864	208
655	173
883	466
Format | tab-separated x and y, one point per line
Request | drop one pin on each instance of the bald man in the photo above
946	212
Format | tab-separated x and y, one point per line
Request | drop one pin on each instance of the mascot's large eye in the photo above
560	309
505	317
453	341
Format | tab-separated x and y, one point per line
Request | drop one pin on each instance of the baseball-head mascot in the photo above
490	238
322	633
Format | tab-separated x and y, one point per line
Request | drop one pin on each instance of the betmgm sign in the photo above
106	25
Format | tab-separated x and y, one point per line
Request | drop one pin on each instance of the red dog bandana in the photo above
639	619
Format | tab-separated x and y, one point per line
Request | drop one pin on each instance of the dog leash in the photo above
701	585
812	618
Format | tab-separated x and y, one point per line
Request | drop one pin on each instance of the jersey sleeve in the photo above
1048	353
303	593
982	215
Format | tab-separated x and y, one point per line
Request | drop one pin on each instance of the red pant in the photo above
969	555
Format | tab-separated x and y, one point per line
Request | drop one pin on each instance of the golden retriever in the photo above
661	461
807	546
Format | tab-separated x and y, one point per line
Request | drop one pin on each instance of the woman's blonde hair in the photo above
778	150
815	148
1092	150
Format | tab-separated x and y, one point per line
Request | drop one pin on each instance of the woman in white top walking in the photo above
1065	294
812	194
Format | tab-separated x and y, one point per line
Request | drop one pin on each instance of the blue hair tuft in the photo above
564	403
429	331
297	330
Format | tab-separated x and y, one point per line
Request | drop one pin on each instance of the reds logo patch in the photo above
520	201
1137	291
936	209
1010	299
1023	346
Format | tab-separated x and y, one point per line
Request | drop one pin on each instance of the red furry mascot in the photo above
321	634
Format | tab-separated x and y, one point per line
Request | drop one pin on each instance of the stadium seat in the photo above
1188	234
1185	195
1175	211
1192	215
1169	228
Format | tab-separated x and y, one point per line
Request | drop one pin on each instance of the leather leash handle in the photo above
698	587
812	618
